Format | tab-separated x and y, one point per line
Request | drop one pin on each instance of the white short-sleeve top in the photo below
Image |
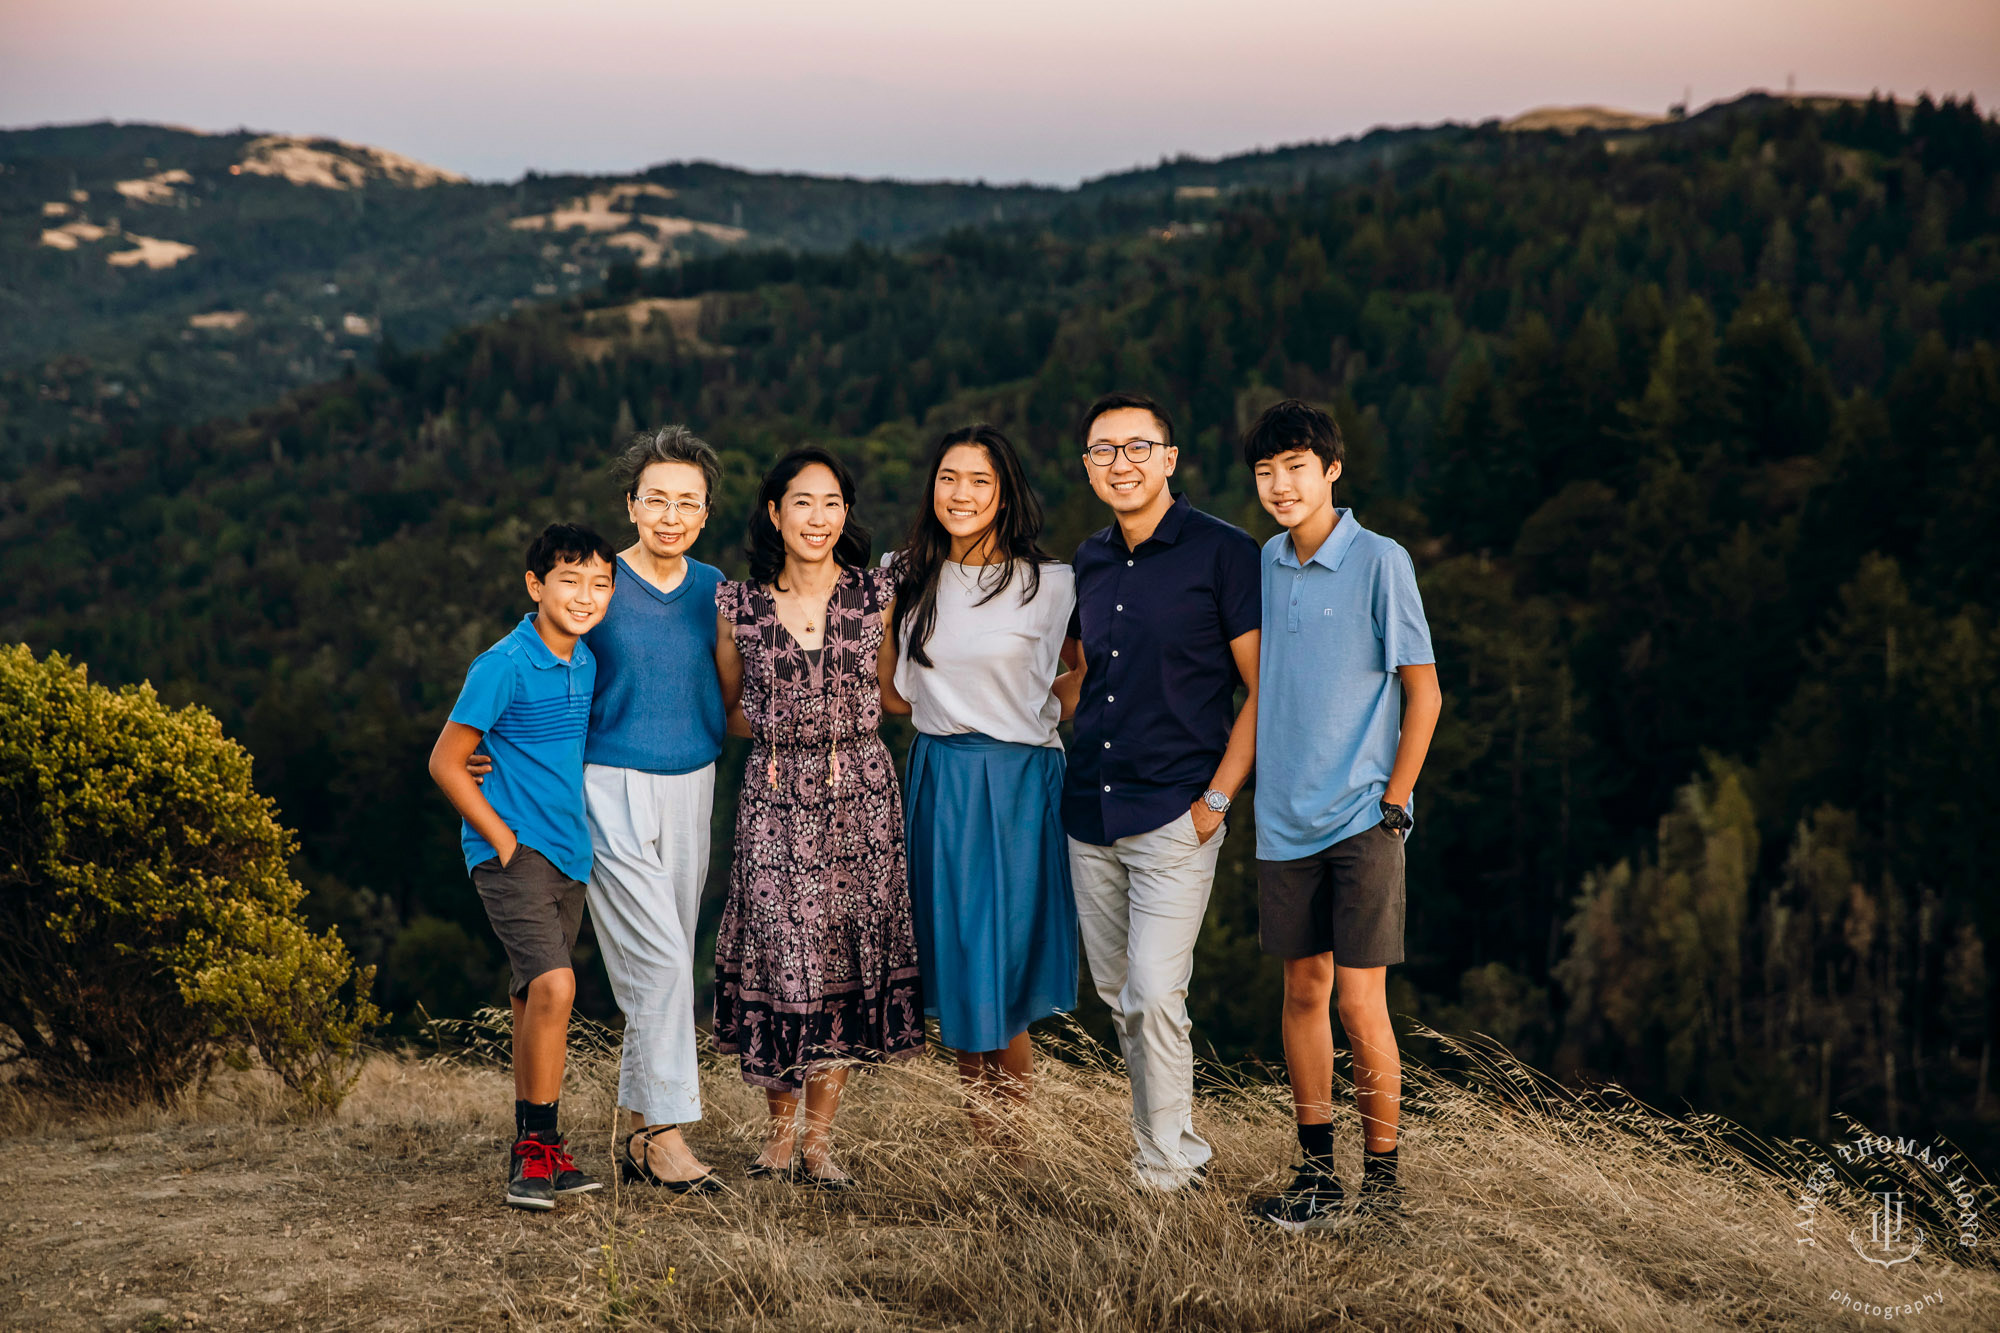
992	665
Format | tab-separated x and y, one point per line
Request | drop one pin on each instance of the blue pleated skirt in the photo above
989	886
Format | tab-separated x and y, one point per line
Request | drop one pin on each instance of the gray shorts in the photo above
1346	900
535	910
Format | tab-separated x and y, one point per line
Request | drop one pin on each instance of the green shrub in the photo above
437	967
148	923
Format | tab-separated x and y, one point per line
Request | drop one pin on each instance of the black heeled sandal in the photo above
639	1170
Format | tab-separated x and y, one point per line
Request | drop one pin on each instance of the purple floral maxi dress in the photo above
815	959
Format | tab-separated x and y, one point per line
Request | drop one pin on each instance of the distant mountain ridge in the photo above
150	272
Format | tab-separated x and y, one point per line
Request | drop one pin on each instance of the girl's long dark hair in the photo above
766	548
1017	531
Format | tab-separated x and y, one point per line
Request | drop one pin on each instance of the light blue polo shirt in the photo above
533	709
1329	702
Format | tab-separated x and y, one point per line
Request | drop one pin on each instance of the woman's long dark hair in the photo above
766	548
1017	531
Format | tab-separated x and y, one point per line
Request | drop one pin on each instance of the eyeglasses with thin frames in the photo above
657	506
1138	451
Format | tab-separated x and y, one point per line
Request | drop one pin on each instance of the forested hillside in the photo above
153	274
1695	437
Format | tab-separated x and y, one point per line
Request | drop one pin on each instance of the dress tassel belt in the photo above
832	758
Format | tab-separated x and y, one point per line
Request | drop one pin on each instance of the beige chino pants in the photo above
1139	906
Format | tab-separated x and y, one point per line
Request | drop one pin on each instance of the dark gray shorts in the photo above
1346	900
535	910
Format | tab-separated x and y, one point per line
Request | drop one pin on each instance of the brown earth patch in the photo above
608	329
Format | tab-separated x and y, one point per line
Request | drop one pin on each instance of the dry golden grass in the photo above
1570	119
160	188
1530	1209
333	165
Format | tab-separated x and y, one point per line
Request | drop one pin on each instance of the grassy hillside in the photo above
1693	435
1529	1210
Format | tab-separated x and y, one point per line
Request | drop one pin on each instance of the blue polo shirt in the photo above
1329	702
533	709
1159	684
658	704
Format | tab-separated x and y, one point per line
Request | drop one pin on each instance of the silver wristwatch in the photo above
1215	801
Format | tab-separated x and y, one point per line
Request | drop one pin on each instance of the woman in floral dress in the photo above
815	959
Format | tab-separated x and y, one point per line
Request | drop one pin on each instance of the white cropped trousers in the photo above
649	845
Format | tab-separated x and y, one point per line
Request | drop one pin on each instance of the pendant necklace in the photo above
833	747
826	680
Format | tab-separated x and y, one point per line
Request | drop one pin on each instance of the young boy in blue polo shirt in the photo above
526	703
1347	700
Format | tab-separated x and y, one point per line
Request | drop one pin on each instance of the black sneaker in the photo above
1310	1203
531	1175
570	1180
1381	1196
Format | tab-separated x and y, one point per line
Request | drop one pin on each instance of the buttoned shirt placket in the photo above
1111	673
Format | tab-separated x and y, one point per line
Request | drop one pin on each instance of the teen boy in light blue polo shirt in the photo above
1346	703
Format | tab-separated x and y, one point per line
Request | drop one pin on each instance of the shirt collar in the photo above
1172	521
1167	533
540	653
1331	551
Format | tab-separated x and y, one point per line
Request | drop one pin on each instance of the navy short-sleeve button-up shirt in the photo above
1159	680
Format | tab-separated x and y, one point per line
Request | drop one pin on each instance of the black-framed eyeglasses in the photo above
1138	451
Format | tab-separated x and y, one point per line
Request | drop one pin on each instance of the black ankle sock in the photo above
1378	1170
1316	1142
535	1118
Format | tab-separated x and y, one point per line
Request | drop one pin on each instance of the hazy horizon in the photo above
1048	93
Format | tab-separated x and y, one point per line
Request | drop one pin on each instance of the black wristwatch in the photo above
1395	818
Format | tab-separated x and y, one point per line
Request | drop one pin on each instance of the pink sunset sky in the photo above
1044	90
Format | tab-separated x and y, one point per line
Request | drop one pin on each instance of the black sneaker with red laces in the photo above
570	1180
531	1174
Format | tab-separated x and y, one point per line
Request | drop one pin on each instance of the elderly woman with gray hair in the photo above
657	721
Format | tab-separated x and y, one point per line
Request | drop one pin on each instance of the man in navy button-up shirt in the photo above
1167	622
